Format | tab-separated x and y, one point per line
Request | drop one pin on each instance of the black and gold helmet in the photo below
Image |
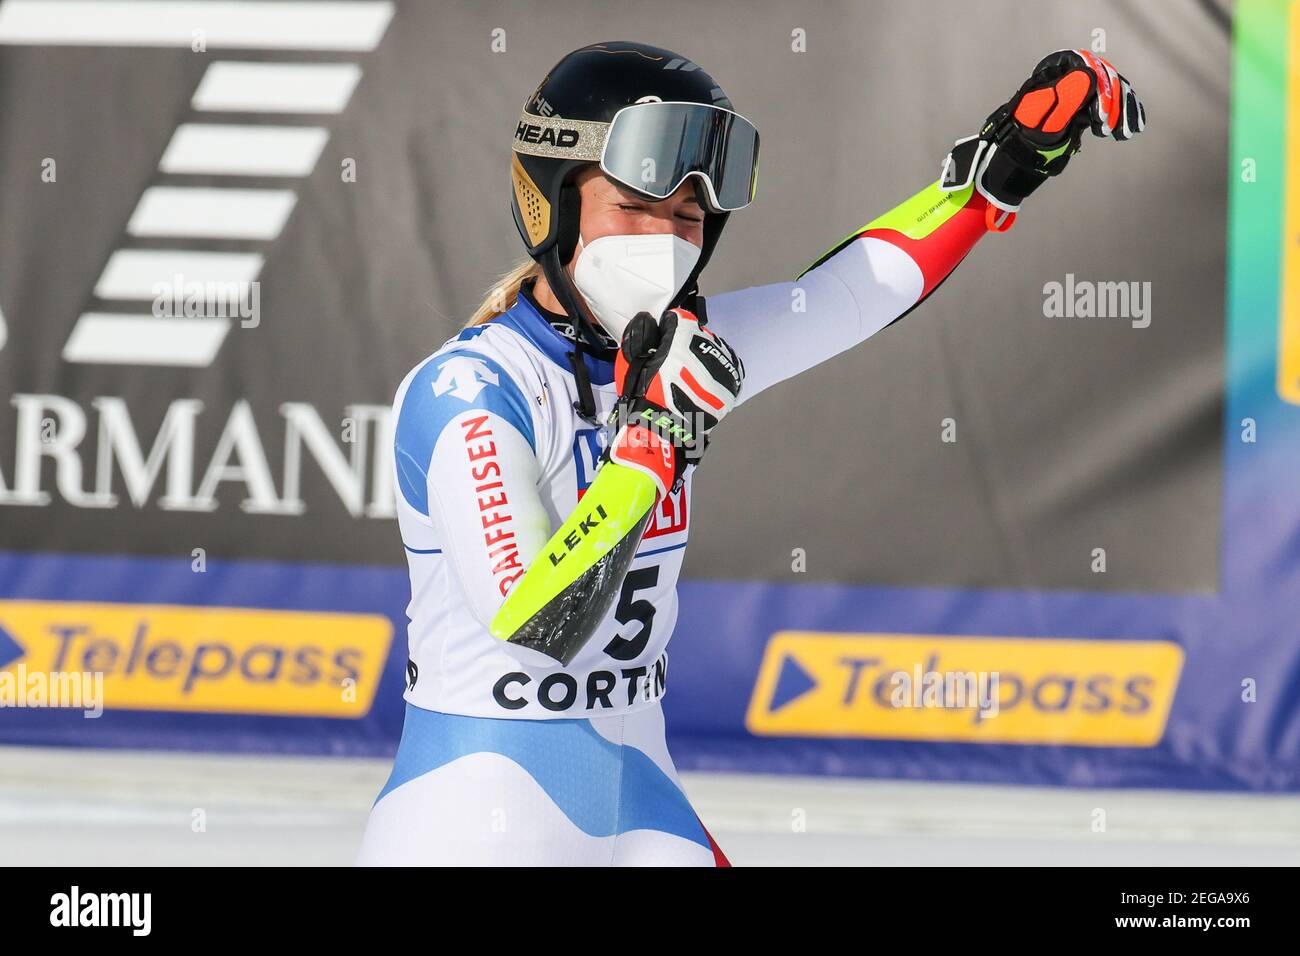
651	119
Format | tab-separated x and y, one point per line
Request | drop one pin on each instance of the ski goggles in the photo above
651	148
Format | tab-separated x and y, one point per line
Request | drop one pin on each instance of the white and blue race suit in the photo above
505	756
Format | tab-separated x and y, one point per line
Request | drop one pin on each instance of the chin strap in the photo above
586	403
562	288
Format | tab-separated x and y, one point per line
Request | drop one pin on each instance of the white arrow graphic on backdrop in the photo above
172	213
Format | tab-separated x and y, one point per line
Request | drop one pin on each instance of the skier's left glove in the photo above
1033	135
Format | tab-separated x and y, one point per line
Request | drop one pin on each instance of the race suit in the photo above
508	757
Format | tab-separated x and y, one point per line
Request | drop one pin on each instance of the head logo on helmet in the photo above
629	107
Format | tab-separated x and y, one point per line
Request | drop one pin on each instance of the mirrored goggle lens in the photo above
653	147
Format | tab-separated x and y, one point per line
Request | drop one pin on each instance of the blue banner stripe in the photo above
722	631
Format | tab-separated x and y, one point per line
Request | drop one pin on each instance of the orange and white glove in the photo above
1033	135
676	380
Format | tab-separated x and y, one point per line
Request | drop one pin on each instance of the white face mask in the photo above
620	276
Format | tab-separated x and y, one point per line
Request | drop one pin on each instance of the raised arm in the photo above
883	271
875	276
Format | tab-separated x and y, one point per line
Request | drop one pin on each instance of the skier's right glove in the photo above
676	379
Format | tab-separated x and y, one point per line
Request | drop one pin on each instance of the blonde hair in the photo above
504	293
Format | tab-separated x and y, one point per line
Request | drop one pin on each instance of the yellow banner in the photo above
977	689
1288	367
206	659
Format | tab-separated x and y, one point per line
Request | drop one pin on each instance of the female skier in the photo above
544	456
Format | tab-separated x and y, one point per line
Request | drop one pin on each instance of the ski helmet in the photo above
651	119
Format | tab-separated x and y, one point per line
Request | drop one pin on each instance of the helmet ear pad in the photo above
713	224
569	221
546	180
